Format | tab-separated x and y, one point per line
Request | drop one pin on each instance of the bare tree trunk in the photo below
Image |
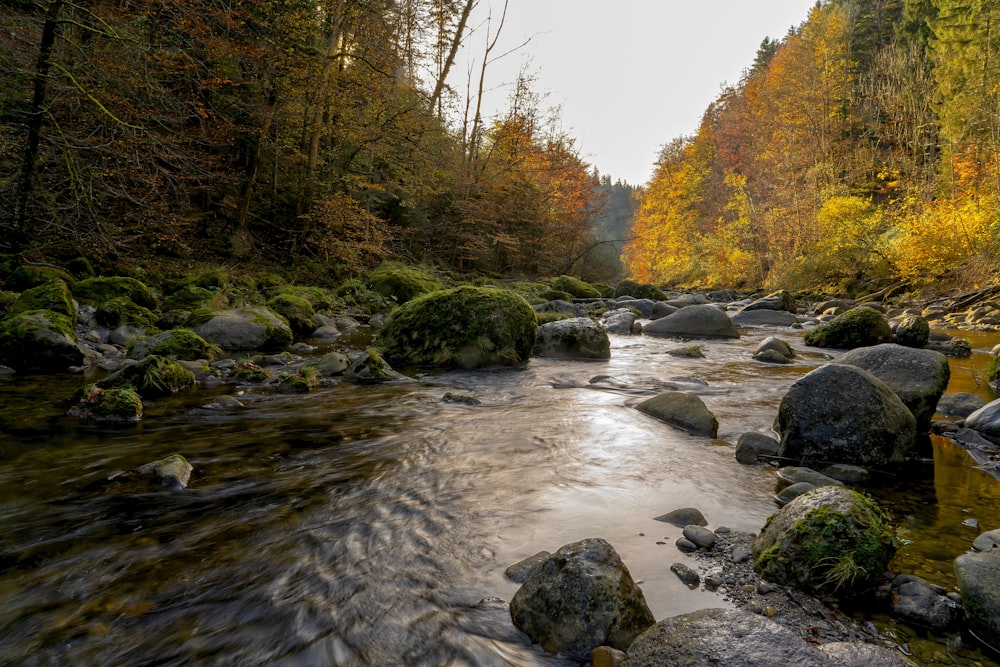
450	59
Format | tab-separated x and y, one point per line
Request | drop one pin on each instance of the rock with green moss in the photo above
247	370
121	311
96	291
575	338
244	329
81	268
638	291
298	311
911	331
152	377
368	367
53	295
403	283
829	541
178	343
359	298
318	298
40	340
861	326
556	295
685	411
844	414
172	472
578	288
465	327
303	380
188	297
27	276
116	404
6	300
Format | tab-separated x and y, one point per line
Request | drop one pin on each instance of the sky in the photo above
628	76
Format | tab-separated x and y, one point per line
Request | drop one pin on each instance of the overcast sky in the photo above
629	76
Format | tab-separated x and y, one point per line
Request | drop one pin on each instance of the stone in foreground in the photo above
580	598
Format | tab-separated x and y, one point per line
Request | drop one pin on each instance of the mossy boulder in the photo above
556	295
303	380
26	276
318	298
119	311
39	340
239	329
828	541
369	367
96	291
298	311
81	268
403	283
575	338
152	377
6	300
178	343
464	327
360	298
638	291
911	331
116	404
188	297
576	287
53	295
861	326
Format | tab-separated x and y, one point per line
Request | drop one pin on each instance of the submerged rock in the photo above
579	598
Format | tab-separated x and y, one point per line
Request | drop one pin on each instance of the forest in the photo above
333	133
860	151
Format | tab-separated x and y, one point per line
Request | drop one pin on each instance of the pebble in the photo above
701	536
684	544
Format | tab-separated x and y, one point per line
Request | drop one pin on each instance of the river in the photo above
372	525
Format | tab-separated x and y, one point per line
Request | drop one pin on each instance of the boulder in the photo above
685	411
915	602
188	297
979	583
26	276
39	340
638	291
53	295
775	344
685	300
838	306
780	300
562	306
117	405
918	377
861	326
684	516
575	338
765	318
121	311
333	363
178	343
986	421
911	331
173	471
843	414
730	637
297	310
618	321
368	367
859	654
662	309
98	290
751	446
644	306
960	403
797	475
244	329
465	327
988	542
697	321
403	283
576	287
831	540
519	571
152	377
579	598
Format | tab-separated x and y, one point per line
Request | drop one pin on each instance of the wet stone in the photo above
688	577
700	536
684	516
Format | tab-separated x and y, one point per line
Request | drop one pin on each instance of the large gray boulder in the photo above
764	318
618	321
843	414
644	306
831	540
697	321
986	421
579	598
244	329
918	377
730	637
685	411
861	326
40	340
575	338
561	306
979	582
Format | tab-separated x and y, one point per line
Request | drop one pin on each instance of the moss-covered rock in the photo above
303	380
403	283
578	288
39	340
27	276
6	300
639	291
238	329
319	298
81	268
117	404
119	311
178	343
96	291
188	297
246	370
556	295
299	312
53	295
861	326
829	541
152	377
369	367
465	327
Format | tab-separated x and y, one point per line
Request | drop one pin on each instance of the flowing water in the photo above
372	525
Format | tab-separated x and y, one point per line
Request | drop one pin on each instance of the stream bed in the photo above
372	525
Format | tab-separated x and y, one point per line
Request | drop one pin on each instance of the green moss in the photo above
53	295
189	297
359	298
545	318
992	372
689	352
861	326
117	404
120	311
247	371
96	291
318	298
466	327
403	283
639	291
555	295
179	344
152	377
39	340
198	317
26	276
6	299
304	380
295	309
81	268
576	287
767	557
